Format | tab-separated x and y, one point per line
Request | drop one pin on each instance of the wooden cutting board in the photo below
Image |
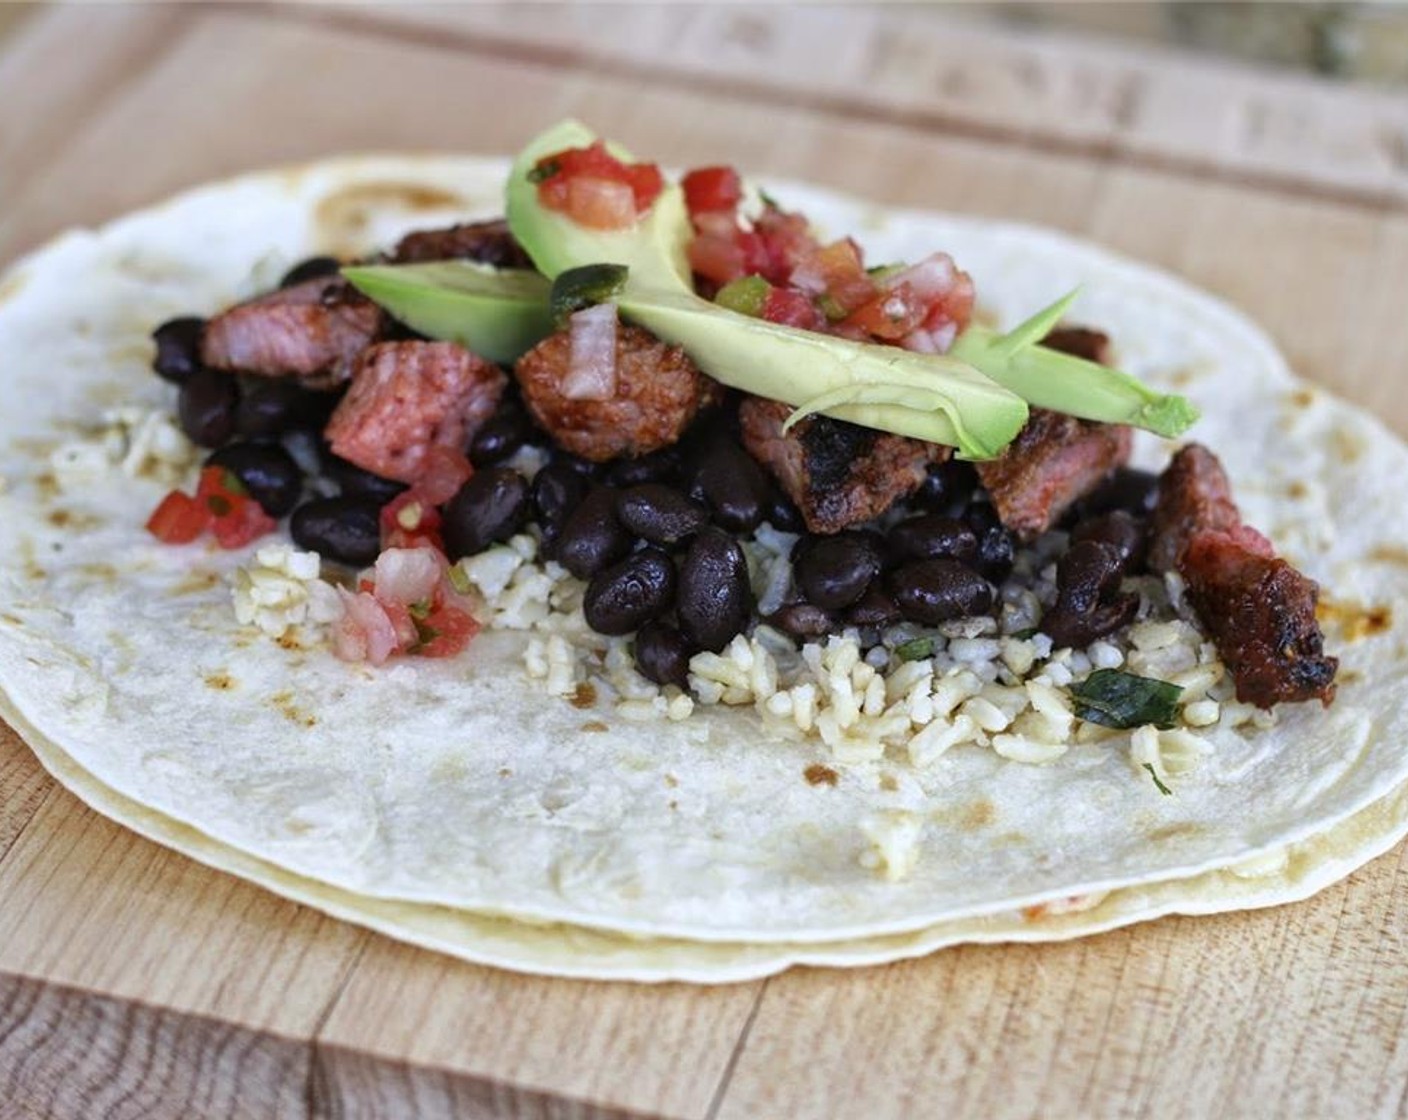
134	983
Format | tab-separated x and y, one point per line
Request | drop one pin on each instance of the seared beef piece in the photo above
1054	460
1194	495
1259	611
313	331
838	474
406	397
658	392
484	242
1083	342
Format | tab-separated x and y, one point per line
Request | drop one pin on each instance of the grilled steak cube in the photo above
658	392
1055	460
408	396
313	331
1259	611
1082	342
1194	496
484	242
837	474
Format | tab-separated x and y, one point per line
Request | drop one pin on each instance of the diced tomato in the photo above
946	292
409	521
792	308
890	315
236	518
596	189
600	203
245	522
786	240
444	632
836	273
221	504
717	259
179	519
711	188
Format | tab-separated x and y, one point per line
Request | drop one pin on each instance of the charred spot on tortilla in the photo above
819	775
978	814
71	519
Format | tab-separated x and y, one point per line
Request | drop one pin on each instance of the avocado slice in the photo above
500	314
1062	382
930	397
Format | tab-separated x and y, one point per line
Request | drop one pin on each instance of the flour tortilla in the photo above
575	952
423	786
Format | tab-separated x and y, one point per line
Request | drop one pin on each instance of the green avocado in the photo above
930	397
500	314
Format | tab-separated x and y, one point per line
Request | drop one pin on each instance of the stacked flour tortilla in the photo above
454	805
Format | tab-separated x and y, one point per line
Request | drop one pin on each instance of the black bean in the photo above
934	591
833	572
1128	488
783	513
270	406
629	593
343	529
267	471
311	269
353	482
714	600
996	553
1089	604
659	466
558	489
732	484
656	513
1126	534
662	654
931	536
178	348
576	463
206	406
501	435
981	516
947	488
490	507
874	610
804	620
591	537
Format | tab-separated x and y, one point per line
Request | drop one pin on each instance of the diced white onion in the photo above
929	279
591	372
406	575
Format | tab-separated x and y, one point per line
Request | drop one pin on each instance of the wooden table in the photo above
134	983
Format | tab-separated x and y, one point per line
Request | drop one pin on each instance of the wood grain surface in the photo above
134	983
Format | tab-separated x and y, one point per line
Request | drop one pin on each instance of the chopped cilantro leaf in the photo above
916	649
1114	698
1163	789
